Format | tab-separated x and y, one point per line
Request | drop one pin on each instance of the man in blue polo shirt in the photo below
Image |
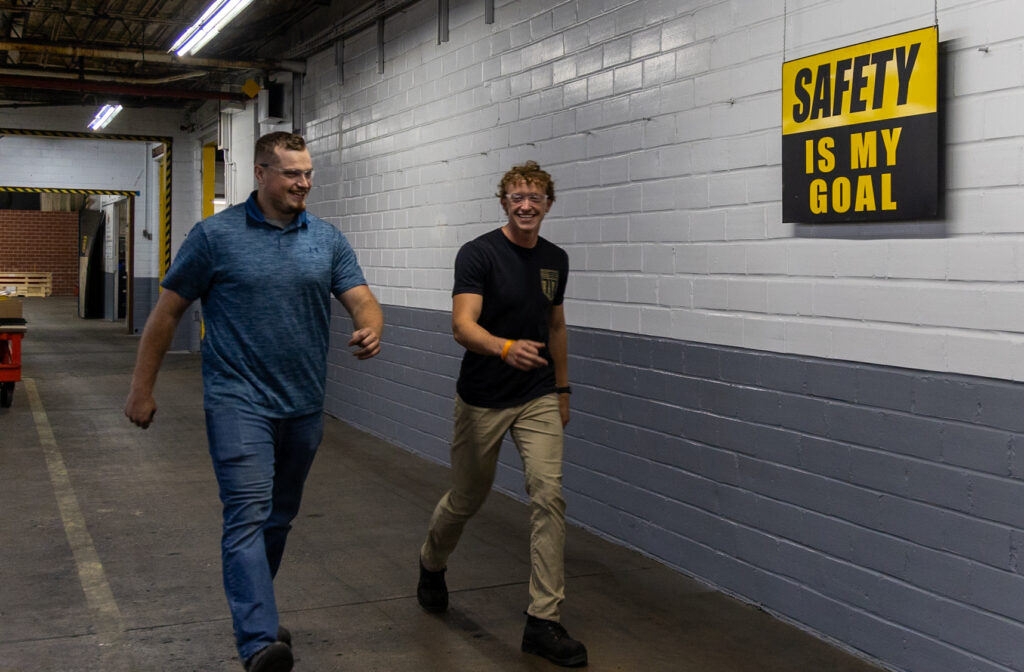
264	271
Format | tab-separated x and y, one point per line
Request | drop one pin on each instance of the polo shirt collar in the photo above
253	212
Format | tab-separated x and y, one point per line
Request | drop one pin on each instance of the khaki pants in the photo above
536	429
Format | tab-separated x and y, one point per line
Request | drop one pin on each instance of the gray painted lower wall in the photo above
881	508
145	292
108	297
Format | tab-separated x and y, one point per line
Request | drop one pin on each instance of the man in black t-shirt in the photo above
507	313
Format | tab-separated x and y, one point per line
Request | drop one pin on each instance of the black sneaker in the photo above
549	639
432	591
276	657
284	636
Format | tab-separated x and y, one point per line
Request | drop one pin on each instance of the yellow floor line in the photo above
99	597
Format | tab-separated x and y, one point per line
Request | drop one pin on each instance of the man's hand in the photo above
525	355
156	338
140	408
367	340
368	319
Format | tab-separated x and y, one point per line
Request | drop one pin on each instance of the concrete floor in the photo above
109	548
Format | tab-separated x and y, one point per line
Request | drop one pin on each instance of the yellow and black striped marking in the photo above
36	133
165	211
53	190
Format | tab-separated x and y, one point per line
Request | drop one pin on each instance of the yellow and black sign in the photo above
860	132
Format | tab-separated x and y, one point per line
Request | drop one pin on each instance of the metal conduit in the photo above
102	87
57	74
151	56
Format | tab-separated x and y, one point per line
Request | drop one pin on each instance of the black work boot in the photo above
284	636
549	639
432	591
276	657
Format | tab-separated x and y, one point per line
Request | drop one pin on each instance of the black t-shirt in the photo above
519	286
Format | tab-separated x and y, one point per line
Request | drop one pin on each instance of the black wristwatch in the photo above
563	390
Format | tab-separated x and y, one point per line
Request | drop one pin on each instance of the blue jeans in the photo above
261	465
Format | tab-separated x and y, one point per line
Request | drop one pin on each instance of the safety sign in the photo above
860	132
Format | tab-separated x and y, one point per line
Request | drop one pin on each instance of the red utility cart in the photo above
10	361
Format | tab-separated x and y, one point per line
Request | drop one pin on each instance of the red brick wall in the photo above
41	242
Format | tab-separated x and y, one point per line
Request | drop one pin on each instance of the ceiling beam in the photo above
116	89
116	16
101	76
140	55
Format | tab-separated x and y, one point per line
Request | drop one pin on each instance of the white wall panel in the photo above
661	124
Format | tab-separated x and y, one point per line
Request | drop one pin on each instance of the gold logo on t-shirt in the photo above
549	282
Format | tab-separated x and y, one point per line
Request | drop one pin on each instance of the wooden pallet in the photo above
28	284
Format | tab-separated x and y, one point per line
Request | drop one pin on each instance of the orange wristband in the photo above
506	348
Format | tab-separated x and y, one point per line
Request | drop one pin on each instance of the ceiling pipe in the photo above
100	87
140	55
60	74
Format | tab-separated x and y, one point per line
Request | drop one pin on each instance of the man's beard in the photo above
295	209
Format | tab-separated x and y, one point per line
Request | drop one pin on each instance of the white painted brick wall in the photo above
660	123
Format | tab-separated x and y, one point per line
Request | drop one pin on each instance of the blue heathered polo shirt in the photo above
266	297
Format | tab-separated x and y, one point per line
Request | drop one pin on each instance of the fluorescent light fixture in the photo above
103	117
216	16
